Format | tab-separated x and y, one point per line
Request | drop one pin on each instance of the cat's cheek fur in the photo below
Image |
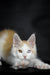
29	56
19	55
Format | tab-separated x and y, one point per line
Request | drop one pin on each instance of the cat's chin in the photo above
28	58
24	58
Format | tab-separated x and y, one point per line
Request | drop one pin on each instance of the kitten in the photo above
19	53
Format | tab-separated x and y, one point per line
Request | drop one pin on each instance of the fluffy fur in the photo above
19	53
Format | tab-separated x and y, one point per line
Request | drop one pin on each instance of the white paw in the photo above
0	63
14	67
42	66
27	63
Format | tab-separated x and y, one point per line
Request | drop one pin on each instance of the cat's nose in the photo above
24	56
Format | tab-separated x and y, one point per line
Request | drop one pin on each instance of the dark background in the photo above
27	17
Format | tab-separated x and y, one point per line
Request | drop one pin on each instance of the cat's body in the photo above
6	40
18	53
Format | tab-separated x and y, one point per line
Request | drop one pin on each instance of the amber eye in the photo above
20	51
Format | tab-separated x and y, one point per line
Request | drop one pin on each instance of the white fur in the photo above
15	53
24	49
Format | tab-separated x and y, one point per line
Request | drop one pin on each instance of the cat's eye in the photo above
28	51
20	51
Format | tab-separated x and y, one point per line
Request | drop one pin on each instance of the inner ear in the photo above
32	40
16	40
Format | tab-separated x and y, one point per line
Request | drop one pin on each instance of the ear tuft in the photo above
32	40
16	40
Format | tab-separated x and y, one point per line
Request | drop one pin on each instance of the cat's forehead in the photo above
24	47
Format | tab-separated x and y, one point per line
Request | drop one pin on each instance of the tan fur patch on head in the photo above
24	41
34	52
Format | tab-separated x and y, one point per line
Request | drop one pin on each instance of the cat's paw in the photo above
22	63
16	64
26	63
0	63
14	67
42	66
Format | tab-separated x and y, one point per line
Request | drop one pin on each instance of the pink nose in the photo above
24	56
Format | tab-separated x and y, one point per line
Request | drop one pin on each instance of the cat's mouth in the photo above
26	59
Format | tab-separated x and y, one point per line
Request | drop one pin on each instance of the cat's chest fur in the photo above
22	63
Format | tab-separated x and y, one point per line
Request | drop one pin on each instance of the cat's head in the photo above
24	49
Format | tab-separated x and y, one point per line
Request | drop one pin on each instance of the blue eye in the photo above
28	51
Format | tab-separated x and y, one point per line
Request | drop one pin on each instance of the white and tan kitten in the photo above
19	53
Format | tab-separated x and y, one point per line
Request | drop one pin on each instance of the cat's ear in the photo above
16	40
32	40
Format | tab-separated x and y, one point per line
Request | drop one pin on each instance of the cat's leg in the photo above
24	64
40	64
0	61
15	66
